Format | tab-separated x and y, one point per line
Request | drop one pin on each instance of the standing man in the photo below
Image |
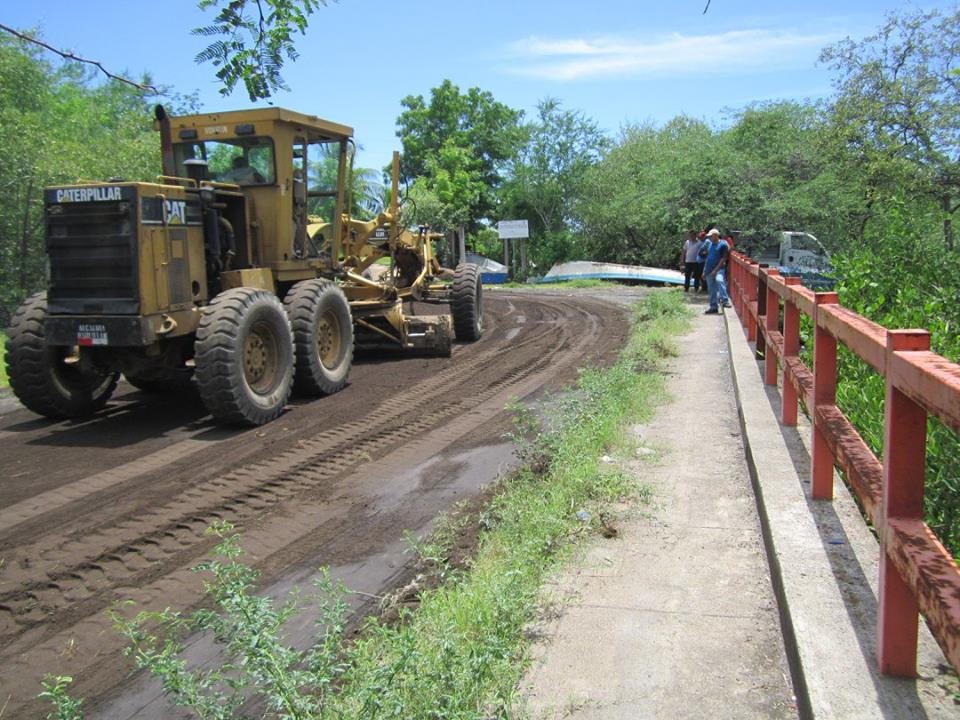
724	275
689	262
716	261
702	259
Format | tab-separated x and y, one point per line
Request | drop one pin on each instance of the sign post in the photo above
514	230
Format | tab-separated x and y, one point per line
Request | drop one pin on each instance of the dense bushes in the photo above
902	277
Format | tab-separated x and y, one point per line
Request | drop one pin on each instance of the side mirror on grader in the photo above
240	268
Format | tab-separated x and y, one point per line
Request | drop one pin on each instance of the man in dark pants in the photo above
717	256
702	259
690	262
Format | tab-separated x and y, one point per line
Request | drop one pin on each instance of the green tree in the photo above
252	39
58	126
546	177
461	143
367	192
897	110
652	186
548	171
784	177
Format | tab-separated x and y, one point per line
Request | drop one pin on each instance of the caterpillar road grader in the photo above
239	269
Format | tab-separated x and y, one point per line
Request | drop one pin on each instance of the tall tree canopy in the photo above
897	109
459	144
546	176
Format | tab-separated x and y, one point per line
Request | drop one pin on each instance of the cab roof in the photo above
314	127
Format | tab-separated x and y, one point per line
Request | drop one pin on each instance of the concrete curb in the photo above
823	563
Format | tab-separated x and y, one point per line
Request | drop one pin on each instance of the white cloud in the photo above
735	51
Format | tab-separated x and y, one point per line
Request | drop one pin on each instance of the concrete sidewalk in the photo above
680	616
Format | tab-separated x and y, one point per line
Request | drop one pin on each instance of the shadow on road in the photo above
130	418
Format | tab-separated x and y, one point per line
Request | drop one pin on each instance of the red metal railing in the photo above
917	574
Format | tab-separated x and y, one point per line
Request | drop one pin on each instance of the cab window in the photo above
247	161
323	172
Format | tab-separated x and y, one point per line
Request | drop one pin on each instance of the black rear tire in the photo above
466	302
39	375
322	336
244	357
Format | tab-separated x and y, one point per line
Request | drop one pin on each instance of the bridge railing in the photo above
917	573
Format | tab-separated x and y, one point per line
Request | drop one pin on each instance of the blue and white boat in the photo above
491	272
586	270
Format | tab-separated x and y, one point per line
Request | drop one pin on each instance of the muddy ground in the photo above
115	507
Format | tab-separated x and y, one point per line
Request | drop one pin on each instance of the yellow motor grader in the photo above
240	268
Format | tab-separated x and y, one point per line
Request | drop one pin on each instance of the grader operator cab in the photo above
240	267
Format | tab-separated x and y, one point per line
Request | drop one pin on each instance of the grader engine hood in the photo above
121	251
91	245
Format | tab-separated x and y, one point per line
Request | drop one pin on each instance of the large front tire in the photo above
322	336
466	302
244	357
39	374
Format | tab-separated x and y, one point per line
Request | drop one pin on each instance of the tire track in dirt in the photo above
155	541
143	540
55	600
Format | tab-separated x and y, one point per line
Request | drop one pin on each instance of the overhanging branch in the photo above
70	56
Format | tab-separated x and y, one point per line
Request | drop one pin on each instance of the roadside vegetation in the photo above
461	653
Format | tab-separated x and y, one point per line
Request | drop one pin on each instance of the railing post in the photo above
761	346
772	322
733	281
744	293
791	349
824	393
904	460
748	322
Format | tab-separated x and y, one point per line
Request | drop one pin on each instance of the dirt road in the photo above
115	507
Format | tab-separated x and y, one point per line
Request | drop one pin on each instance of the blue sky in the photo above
620	62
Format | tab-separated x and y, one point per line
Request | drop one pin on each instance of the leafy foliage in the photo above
367	193
252	39
456	147
58	125
649	188
897	104
55	691
291	683
546	177
4	380
902	278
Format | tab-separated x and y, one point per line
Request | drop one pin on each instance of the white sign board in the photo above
513	229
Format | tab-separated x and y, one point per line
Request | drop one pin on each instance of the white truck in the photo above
798	254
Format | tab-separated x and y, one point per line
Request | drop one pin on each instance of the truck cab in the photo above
799	254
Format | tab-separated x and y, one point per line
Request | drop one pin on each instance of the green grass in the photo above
4	382
463	652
